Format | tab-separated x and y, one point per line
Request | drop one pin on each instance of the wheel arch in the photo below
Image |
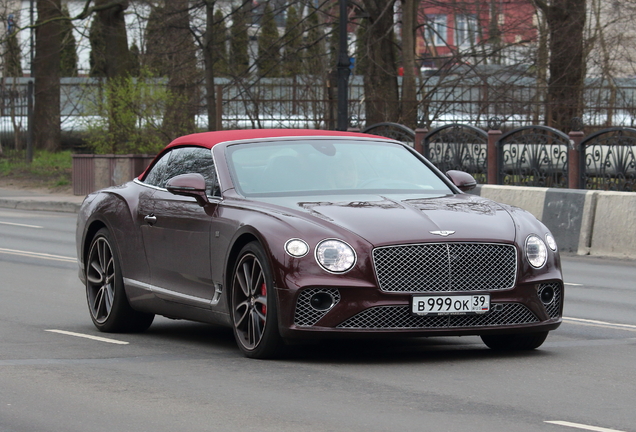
89	234
232	258
116	212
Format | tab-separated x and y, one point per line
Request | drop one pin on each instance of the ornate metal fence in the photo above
14	104
608	160
394	131
458	147
533	156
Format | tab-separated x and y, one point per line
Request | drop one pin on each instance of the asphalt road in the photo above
182	376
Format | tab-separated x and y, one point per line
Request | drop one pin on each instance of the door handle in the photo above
151	219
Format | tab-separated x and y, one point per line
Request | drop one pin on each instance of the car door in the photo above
177	233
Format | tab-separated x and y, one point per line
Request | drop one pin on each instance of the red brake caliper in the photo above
264	294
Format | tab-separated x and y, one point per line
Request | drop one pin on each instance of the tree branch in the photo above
542	4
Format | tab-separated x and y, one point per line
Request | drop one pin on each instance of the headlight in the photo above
335	256
549	239
536	251
296	248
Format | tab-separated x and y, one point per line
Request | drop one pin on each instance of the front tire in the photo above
105	293
253	305
515	342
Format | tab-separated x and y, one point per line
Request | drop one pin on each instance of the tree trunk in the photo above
182	71
409	85
380	80
46	68
566	22
542	66
117	57
209	59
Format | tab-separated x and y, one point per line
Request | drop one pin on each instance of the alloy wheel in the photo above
100	280
249	301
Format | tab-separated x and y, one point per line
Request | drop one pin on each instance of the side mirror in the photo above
192	185
464	181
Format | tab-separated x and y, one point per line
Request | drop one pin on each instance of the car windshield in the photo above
319	166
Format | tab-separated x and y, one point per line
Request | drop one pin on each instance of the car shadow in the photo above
362	351
192	333
402	350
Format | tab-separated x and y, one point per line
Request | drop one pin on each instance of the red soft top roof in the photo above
209	139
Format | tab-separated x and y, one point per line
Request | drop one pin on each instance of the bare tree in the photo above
116	54
211	60
380	80
46	66
566	24
409	84
180	57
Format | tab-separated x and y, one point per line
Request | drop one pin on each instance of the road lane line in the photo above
603	324
86	336
21	225
572	284
583	426
38	255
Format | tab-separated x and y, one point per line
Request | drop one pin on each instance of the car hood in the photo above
383	220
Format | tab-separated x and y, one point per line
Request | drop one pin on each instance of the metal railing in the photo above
16	104
609	162
529	155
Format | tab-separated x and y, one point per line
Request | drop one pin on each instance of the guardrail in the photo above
584	222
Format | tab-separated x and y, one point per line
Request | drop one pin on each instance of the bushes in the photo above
125	116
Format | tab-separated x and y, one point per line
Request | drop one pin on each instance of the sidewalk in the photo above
26	199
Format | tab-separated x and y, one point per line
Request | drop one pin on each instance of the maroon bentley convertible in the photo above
297	234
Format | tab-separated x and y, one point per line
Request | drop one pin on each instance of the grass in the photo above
50	170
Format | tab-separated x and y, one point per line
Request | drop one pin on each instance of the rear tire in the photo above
253	305
105	293
515	342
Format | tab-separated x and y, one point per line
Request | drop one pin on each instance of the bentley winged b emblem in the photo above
443	233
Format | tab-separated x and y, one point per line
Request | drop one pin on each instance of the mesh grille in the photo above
399	317
306	314
554	308
446	267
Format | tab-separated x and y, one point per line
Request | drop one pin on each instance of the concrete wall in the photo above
600	223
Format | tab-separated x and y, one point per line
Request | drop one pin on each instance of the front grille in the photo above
554	308
306	315
399	317
446	267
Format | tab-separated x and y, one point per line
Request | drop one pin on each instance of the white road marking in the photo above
603	324
38	255
20	225
583	426
572	284
82	335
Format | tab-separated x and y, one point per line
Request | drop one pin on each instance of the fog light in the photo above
322	301
546	295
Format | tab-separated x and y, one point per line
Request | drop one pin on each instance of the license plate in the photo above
451	305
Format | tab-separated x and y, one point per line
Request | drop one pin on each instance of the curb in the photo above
27	204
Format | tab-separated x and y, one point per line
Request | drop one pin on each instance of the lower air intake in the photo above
399	317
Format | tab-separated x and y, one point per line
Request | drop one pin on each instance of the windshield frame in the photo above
443	185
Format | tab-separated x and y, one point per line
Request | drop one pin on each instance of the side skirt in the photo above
150	298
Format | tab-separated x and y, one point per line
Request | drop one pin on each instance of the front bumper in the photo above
363	311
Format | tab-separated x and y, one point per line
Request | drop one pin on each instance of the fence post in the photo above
418	143
574	159
494	133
